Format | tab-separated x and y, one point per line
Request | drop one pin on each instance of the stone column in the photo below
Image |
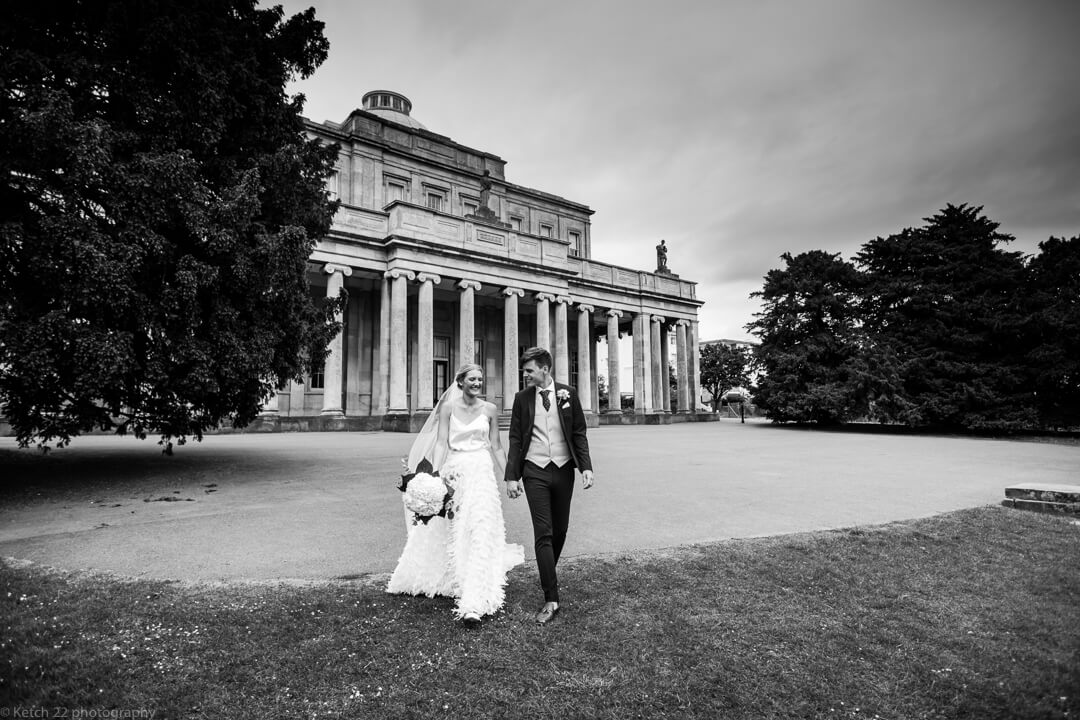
425	341
467	323
332	377
543	320
380	384
658	380
614	394
562	341
681	359
642	365
594	366
399	399
584	356
665	366
695	367
510	345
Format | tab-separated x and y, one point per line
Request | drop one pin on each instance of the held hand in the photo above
587	479
513	489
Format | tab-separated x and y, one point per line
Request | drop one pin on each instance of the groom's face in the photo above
536	375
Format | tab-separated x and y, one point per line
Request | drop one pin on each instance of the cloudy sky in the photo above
738	130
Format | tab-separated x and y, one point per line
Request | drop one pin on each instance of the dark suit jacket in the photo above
571	418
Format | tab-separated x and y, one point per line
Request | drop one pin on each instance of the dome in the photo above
391	106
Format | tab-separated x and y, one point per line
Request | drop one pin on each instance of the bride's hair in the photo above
465	370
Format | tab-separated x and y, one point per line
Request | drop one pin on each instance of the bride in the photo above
467	557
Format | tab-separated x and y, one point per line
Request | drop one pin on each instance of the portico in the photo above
434	282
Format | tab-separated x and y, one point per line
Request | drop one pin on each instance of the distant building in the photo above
705	397
749	345
445	261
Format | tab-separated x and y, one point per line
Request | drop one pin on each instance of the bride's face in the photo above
473	383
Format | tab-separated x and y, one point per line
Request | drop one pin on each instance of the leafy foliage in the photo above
723	368
811	335
933	327
1053	331
942	304
160	202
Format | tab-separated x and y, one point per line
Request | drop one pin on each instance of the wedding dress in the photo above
467	557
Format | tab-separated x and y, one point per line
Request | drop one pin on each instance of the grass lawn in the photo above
975	614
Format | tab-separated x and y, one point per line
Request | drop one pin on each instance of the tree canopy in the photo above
810	332
159	204
937	326
723	368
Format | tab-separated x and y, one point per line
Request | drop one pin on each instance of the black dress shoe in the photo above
546	614
471	619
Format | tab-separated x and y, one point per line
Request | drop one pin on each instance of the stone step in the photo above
1044	492
1065	508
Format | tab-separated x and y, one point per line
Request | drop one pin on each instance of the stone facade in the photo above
445	261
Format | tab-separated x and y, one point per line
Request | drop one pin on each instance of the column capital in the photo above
682	323
513	291
398	272
428	277
614	313
545	296
563	299
469	285
583	308
659	319
331	268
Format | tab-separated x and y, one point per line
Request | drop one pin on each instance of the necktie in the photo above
546	399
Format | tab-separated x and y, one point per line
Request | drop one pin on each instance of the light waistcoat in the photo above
548	442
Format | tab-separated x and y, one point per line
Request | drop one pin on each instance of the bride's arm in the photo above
442	442
497	453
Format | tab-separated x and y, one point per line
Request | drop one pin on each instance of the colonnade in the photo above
651	344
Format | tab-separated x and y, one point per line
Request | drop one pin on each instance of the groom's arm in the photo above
578	436
513	445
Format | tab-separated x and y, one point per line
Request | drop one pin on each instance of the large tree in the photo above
1053	331
159	203
811	341
723	368
943	308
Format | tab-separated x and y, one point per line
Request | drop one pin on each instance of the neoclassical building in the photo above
445	261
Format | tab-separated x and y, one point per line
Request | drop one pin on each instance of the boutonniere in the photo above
564	398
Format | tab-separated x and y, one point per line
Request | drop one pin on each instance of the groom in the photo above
547	441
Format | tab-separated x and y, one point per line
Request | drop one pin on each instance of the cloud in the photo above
741	129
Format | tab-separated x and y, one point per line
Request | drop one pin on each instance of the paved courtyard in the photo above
324	505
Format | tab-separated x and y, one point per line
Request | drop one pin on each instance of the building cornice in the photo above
339	134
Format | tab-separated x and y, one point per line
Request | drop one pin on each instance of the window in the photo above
317	381
515	223
441	376
575	243
546	230
333	184
469	208
396	191
435	200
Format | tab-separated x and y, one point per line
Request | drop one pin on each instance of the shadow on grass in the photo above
968	615
29	472
1066	437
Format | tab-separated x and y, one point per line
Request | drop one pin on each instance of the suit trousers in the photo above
549	491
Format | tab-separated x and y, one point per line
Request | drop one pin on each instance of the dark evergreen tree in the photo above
159	203
811	341
944	315
1053	331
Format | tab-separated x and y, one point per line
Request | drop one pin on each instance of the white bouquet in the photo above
425	494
